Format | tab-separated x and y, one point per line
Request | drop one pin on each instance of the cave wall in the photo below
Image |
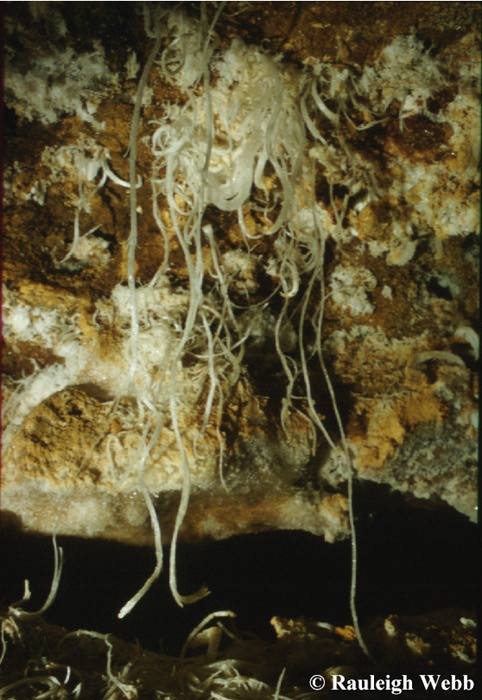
306	205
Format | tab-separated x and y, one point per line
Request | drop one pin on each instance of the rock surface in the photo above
95	665
216	317
307	208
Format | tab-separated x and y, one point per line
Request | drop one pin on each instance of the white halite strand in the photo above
16	609
134	320
469	335
184	58
87	164
229	172
251	133
133	180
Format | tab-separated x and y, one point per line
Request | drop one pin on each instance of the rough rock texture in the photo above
217	665
307	194
216	315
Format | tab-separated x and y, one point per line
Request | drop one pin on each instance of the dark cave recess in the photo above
413	558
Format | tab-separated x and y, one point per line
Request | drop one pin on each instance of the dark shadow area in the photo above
412	558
